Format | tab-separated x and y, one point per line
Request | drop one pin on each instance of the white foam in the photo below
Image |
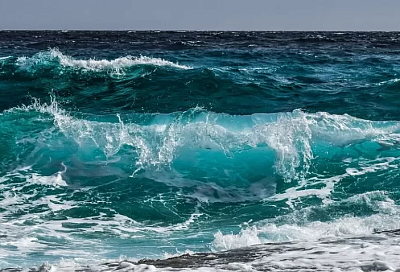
295	192
387	217
55	180
25	244
246	237
390	81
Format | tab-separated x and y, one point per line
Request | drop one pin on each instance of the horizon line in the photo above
197	30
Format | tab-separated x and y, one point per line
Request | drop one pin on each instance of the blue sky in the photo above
201	15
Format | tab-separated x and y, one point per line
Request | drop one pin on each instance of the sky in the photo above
200	15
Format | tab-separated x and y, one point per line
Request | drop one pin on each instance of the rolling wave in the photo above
289	143
54	57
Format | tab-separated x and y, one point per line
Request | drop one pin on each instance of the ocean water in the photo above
267	150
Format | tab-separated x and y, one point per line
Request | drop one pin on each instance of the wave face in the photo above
152	144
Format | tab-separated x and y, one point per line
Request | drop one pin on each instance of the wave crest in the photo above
117	65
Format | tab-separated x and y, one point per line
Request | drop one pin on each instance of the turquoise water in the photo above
149	144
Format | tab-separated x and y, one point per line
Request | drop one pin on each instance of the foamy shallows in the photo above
377	252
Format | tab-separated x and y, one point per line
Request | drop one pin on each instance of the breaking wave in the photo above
119	65
290	142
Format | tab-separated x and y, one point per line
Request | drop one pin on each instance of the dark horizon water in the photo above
147	144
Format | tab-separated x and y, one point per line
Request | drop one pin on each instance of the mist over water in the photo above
153	144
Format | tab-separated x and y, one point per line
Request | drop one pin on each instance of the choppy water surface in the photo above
154	144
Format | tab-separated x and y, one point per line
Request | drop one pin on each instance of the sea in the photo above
199	151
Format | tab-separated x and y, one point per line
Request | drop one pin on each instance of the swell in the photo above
242	82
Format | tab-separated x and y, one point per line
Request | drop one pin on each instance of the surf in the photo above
152	146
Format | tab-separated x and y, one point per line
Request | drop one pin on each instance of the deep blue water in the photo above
142	144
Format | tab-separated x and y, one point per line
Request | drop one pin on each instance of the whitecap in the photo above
117	65
4	58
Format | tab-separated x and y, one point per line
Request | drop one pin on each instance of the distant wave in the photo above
116	65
